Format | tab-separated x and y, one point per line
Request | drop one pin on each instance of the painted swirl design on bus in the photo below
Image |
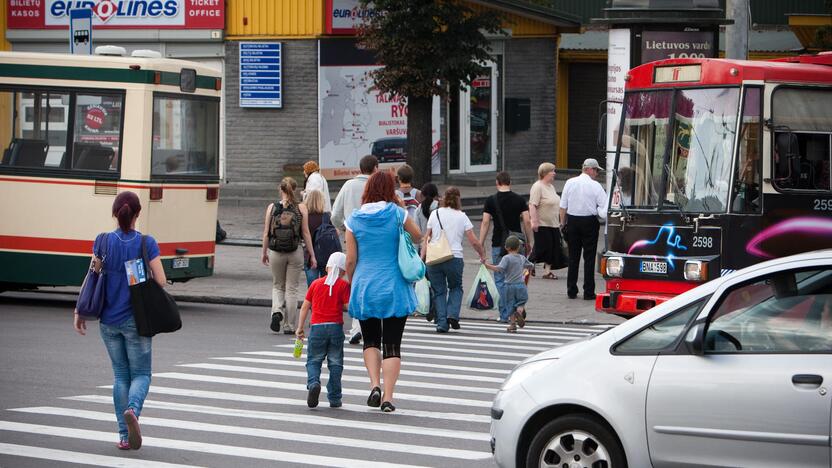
792	236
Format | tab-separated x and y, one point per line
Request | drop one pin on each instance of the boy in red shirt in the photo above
328	297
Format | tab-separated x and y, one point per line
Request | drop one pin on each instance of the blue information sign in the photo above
260	74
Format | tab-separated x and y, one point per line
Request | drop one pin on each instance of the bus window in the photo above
185	136
745	197
700	157
646	122
802	150
36	132
97	132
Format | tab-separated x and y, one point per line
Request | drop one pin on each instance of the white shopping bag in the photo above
483	294
423	296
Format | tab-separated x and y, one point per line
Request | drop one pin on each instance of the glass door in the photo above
476	111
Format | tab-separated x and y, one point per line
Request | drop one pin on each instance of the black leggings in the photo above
388	332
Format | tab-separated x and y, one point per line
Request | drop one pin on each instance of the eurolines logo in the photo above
106	9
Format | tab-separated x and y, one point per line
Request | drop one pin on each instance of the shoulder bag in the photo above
439	251
410	264
505	229
91	297
154	309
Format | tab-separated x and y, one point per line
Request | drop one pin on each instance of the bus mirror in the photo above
602	132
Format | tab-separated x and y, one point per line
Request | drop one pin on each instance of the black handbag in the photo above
154	310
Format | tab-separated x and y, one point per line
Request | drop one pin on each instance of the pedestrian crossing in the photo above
249	408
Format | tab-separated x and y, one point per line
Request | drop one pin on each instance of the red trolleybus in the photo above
720	164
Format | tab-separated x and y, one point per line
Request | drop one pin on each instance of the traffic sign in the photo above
261	74
80	31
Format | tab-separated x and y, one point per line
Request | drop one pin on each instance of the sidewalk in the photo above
239	277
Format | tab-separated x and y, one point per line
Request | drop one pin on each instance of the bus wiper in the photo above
677	192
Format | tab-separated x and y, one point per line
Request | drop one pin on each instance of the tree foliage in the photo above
428	47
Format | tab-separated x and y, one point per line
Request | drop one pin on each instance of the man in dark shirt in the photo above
510	213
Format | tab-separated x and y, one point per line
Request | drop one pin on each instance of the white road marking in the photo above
428	450
450	357
301	375
405	362
302	387
81	458
436	375
201	447
310	418
495	348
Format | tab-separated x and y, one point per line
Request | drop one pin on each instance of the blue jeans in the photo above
312	274
446	283
131	358
326	340
516	295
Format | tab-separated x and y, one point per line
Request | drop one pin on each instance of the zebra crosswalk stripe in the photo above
405	364
79	458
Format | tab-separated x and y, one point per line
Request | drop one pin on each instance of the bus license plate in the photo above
654	267
181	262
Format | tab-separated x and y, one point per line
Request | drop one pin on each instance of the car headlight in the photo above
696	270
614	266
523	371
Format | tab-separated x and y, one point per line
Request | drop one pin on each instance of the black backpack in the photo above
325	241
284	229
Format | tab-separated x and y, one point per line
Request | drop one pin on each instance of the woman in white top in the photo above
446	277
315	181
544	204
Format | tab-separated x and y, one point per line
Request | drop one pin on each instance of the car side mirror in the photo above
695	339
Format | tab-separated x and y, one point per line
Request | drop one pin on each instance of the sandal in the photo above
550	276
387	407
374	400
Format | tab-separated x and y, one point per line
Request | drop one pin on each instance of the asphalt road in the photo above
227	392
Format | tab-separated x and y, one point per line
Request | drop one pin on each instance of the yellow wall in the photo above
5	98
274	18
305	19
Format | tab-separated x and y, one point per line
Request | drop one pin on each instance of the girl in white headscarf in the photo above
328	297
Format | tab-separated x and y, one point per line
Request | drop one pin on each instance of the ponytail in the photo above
126	207
288	187
429	193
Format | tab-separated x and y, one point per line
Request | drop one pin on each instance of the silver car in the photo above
733	373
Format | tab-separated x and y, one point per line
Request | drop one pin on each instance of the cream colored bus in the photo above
75	131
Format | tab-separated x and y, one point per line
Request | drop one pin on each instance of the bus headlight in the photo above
696	270
614	266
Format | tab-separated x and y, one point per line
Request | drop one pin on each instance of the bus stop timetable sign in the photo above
261	74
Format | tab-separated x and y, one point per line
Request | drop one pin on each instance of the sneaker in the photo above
356	338
454	323
512	328
335	404
441	330
519	317
312	396
123	445
589	297
288	331
431	316
134	432
387	407
277	317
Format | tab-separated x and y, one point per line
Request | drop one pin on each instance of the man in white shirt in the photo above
582	203
347	201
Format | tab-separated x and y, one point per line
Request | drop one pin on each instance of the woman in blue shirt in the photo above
130	353
380	297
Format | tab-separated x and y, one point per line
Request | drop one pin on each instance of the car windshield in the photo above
699	149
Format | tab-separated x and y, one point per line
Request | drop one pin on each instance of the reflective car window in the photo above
661	334
786	312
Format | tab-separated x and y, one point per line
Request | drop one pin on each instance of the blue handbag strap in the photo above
101	253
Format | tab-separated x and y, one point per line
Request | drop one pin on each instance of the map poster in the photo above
356	120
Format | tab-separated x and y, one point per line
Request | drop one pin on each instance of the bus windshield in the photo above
696	175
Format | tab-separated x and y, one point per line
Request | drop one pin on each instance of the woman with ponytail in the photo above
430	202
285	235
130	354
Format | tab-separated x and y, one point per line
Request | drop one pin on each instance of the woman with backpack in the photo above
285	234
325	240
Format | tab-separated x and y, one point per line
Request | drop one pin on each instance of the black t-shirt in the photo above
512	207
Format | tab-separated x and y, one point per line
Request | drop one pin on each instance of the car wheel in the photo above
575	441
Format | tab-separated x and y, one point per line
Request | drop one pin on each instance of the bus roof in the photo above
689	72
102	61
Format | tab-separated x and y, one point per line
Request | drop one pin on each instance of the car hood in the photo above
559	352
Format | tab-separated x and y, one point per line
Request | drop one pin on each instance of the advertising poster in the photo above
660	45
356	120
618	64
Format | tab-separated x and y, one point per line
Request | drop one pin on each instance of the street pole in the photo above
736	35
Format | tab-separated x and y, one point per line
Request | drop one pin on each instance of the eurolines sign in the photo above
114	14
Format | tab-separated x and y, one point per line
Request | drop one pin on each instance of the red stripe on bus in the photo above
108	184
73	246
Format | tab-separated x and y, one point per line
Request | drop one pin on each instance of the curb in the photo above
255	302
